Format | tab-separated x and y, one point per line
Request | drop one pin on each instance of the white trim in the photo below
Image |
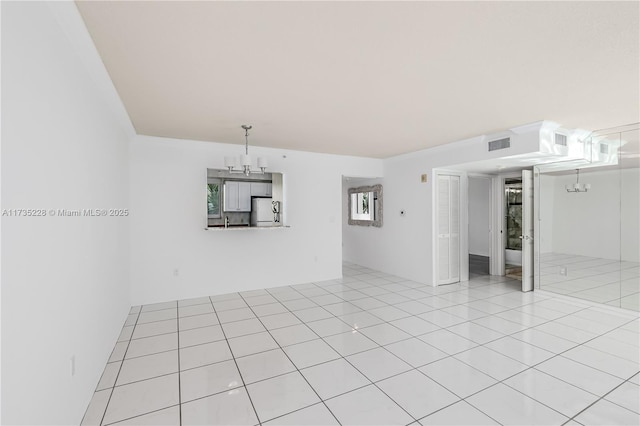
496	250
536	228
528	233
1	207
477	175
464	227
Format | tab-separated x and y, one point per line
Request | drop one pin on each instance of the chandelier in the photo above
245	161
578	187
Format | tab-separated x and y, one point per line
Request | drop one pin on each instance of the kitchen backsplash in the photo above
235	218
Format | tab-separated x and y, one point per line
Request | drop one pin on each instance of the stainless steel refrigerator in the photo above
262	213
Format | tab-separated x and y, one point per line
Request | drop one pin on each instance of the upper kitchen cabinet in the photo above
237	196
261	189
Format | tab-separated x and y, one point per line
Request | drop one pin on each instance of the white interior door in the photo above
448	229
527	230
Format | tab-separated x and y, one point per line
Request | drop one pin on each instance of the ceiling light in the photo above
245	160
578	187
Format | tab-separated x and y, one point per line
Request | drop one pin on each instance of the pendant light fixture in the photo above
578	187
245	161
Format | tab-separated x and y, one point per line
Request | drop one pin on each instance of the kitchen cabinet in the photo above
237	196
261	189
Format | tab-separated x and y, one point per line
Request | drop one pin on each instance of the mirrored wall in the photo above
588	222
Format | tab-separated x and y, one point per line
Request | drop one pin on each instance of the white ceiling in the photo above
367	78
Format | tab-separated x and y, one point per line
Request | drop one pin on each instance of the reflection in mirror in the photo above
365	206
360	206
588	242
239	201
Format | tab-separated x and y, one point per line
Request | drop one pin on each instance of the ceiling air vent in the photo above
499	144
604	148
560	139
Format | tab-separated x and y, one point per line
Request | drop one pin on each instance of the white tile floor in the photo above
373	349
598	280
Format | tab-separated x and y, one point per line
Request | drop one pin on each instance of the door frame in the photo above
498	238
491	225
528	233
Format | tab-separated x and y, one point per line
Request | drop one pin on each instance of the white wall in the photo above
546	196
589	224
404	245
65	280
479	199
630	215
168	208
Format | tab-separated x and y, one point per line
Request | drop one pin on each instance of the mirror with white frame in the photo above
365	205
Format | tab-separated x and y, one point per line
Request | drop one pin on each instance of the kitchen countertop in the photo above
243	228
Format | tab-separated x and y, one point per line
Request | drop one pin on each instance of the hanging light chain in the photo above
246	128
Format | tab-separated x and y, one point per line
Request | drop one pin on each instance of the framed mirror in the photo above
365	205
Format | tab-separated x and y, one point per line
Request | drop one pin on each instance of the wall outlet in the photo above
176	272
563	271
72	365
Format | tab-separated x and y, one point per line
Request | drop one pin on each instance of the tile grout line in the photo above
414	419
452	355
411	336
528	367
557	378
472	320
236	364
618	280
417	368
498	381
383	347
124	355
142	380
435	381
179	370
603	397
139	415
398	374
295	366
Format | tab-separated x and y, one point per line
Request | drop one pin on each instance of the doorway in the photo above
513	245
513	228
453	216
479	196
